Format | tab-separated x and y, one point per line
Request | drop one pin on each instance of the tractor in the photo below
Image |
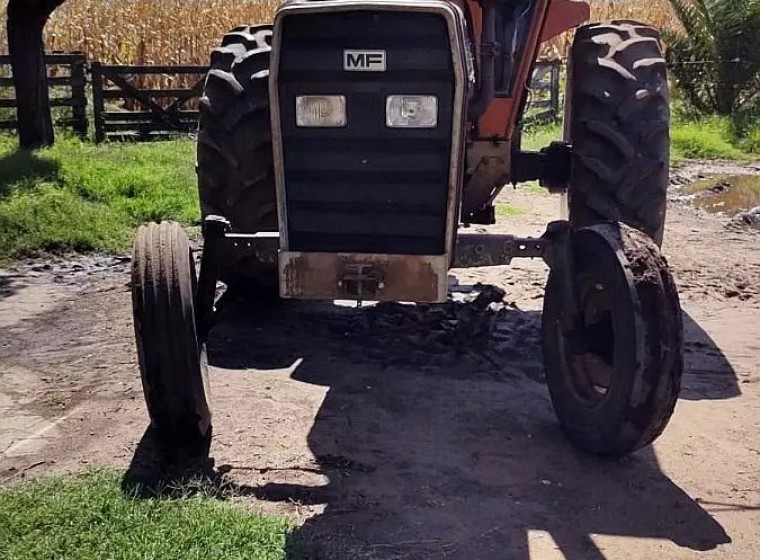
343	151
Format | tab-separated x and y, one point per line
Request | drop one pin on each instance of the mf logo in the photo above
364	61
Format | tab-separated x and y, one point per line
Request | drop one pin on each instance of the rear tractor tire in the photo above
235	165
617	120
615	377
172	359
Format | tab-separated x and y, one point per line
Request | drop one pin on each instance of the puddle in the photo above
727	194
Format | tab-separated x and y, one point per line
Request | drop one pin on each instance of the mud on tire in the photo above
615	391
172	360
619	118
235	167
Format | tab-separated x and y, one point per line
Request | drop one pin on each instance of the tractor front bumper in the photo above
364	276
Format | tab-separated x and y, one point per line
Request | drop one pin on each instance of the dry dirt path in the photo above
396	433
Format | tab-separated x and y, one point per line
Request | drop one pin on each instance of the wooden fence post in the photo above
79	99
555	92
6	85
97	101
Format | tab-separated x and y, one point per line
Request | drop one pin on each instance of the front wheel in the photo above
172	360
615	378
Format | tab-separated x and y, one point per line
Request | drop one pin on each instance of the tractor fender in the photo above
563	15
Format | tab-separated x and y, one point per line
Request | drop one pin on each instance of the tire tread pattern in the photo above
235	166
172	363
662	323
619	127
234	162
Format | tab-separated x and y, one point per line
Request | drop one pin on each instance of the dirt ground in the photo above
411	432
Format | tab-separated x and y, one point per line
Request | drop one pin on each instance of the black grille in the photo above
366	188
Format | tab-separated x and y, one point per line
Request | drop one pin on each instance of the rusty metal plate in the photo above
328	276
495	249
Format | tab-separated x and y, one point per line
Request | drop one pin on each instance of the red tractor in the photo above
340	150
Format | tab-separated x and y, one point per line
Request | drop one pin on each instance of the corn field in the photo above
184	31
655	12
169	32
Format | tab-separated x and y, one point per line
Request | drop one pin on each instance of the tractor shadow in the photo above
439	441
22	168
708	373
9	285
154	473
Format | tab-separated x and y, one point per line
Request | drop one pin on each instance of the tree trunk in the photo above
26	21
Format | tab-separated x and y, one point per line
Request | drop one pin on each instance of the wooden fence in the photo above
123	109
160	112
67	76
544	102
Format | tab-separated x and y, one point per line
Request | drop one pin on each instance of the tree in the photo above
26	21
715	57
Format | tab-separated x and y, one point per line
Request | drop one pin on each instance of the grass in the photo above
709	138
88	517
503	209
77	196
536	137
751	142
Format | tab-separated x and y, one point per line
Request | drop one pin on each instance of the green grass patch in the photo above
750	141
48	218
503	209
77	196
708	138
88	517
533	187
539	136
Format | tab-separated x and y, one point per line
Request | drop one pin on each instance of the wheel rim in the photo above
589	352
592	366
202	351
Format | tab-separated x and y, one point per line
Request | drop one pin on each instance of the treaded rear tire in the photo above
619	113
645	343
172	361
235	167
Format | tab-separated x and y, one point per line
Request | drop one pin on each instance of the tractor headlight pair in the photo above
401	111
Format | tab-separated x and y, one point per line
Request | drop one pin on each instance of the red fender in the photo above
564	15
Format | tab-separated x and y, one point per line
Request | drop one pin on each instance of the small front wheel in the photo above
615	378
173	364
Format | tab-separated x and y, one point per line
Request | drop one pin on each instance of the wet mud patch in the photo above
475	332
727	194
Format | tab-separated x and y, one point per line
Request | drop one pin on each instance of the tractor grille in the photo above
366	188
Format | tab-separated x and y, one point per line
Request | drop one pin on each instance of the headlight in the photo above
411	111
325	111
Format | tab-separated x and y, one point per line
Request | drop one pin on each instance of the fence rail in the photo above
75	79
161	111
